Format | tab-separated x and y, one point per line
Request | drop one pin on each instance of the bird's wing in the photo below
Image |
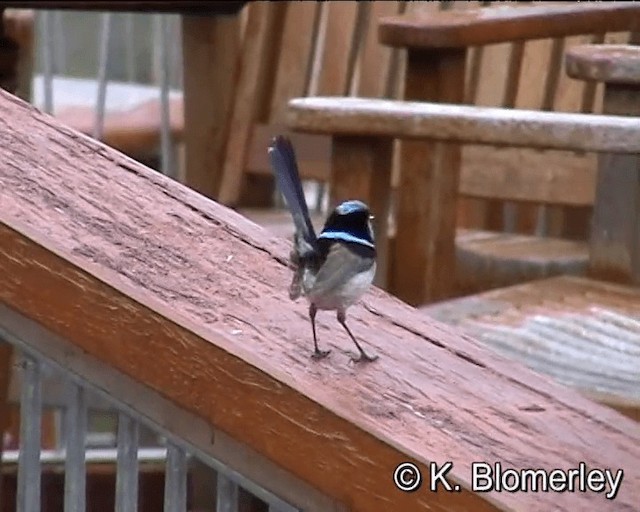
285	169
341	265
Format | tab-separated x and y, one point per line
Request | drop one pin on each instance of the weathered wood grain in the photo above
611	63
190	300
458	29
474	125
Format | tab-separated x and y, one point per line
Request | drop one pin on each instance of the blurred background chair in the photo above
524	213
581	331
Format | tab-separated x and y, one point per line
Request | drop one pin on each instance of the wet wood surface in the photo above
190	299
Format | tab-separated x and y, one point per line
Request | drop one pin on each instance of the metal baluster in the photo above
46	48
59	43
175	488
28	495
127	473
75	467
165	129
130	54
103	66
227	495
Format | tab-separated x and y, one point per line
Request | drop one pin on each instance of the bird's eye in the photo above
371	217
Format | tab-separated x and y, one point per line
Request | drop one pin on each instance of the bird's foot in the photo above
320	354
364	358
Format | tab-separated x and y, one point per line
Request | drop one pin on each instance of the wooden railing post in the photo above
428	188
615	236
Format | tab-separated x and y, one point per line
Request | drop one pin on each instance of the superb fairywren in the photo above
333	269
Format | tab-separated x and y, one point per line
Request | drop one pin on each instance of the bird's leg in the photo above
342	318
317	353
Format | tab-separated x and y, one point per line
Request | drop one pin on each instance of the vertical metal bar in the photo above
165	122
176	58
103	66
28	495
46	49
59	43
127	471
175	486
130	54
75	467
227	495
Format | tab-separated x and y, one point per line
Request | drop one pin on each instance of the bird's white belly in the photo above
344	295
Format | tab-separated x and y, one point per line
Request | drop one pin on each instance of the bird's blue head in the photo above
350	221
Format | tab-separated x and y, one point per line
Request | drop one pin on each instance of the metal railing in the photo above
176	453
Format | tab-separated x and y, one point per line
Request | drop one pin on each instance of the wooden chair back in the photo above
298	50
522	190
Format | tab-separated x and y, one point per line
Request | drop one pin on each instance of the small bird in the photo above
333	269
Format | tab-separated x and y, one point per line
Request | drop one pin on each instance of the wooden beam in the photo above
210	48
477	27
188	300
463	123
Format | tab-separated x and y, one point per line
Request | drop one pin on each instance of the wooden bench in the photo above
581	331
185	316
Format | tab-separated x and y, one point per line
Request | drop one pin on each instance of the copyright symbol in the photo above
407	477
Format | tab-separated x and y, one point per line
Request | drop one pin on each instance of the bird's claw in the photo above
320	354
364	358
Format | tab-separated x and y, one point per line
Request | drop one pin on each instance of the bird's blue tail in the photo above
285	169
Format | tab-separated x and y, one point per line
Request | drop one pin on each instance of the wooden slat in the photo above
335	40
475	125
527	175
460	29
553	76
513	75
375	62
252	95
293	63
204	291
210	48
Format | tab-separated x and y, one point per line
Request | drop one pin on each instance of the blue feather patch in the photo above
346	237
351	206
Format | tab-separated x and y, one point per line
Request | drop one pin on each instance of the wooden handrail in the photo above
477	27
136	275
464	123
